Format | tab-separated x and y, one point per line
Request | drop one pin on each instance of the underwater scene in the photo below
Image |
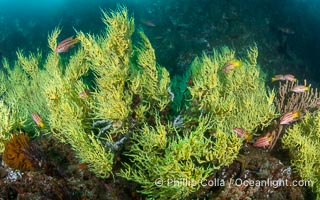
159	99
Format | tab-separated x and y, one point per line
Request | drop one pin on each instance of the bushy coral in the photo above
151	82
237	98
217	103
128	103
23	90
52	87
8	123
109	57
169	165
288	101
303	143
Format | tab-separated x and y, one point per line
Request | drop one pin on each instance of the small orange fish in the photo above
286	77
242	133
36	118
231	65
66	44
290	117
85	94
263	141
301	89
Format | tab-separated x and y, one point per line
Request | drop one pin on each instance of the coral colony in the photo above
152	126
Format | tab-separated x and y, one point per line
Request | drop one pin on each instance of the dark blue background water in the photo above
183	29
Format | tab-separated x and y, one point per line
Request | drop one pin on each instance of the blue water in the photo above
183	29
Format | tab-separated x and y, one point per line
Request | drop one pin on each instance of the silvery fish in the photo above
300	89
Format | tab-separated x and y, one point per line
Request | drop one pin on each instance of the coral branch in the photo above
287	100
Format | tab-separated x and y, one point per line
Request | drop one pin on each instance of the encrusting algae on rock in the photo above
14	153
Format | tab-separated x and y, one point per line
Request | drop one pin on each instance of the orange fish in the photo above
36	118
231	65
84	94
242	133
290	117
66	44
263	141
